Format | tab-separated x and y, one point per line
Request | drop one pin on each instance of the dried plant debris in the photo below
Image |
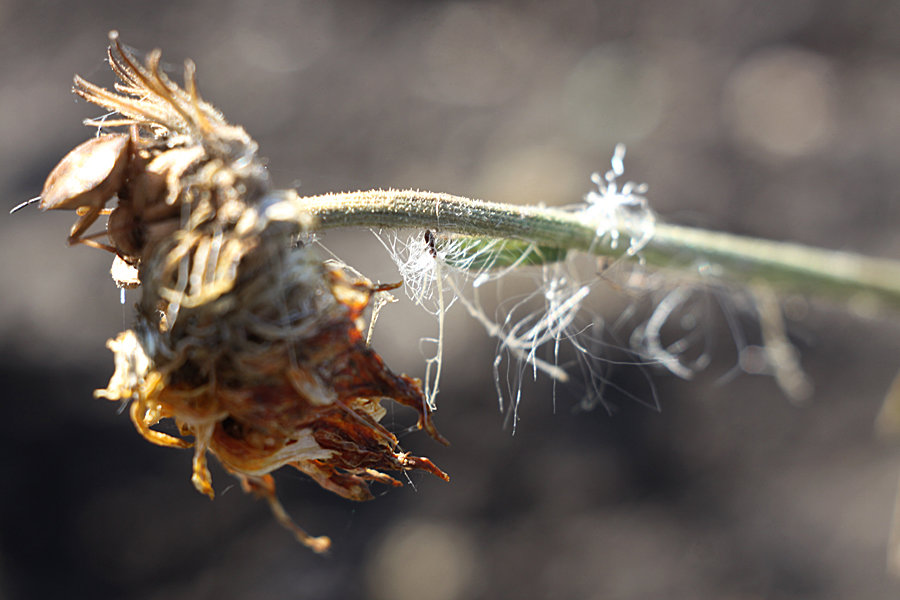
250	344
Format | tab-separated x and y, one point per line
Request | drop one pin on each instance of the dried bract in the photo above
87	178
250	344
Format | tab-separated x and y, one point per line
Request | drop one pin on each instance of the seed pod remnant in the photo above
250	344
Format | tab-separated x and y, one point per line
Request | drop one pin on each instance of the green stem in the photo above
783	266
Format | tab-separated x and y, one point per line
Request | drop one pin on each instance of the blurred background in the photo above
779	120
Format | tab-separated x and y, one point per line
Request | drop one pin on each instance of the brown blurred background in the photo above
771	119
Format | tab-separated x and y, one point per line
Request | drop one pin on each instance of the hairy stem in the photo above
691	252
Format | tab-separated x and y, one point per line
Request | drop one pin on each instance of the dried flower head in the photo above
250	344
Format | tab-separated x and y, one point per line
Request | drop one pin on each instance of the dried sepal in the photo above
310	400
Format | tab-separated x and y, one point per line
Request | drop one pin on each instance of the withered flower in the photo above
250	344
